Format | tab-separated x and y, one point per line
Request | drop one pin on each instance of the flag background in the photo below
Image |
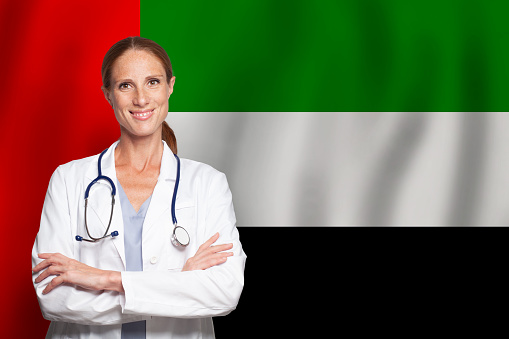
334	56
344	112
273	93
53	112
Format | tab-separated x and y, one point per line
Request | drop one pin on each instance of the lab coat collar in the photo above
168	169
163	192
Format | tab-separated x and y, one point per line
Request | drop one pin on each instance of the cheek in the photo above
162	99
118	116
164	113
120	105
168	90
121	100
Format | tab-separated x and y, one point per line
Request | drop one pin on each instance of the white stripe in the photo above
376	168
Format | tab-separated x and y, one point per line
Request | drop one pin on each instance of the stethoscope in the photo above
179	238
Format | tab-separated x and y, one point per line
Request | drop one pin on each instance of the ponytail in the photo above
169	137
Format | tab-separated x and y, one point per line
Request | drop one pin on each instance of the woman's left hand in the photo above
74	272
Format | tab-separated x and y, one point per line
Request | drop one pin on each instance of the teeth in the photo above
142	114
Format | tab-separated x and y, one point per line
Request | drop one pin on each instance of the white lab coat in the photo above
175	304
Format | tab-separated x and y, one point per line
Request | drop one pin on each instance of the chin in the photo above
141	133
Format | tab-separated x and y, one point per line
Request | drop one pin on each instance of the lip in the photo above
143	114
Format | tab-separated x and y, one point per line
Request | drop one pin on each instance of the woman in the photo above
137	284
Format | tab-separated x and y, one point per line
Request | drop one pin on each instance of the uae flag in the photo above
321	113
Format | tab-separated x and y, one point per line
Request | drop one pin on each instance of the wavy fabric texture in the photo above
344	112
320	113
53	112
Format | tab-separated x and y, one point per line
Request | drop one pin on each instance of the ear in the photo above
170	85
107	95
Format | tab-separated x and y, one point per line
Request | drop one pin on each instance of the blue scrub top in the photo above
133	226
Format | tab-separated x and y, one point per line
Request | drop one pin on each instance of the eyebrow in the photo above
155	76
146	78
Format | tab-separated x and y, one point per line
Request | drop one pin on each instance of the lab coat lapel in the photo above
163	192
103	208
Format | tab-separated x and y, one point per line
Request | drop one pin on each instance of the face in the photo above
139	93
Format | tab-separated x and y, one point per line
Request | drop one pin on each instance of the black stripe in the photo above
324	282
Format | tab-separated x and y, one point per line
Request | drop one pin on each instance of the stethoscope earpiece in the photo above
112	234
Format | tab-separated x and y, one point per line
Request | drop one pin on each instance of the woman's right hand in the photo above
208	255
72	271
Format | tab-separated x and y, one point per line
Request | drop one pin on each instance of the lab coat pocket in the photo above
101	254
185	213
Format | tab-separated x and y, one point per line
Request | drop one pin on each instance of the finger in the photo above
215	259
220	248
212	259
204	262
212	240
43	276
52	270
209	242
57	281
53	256
45	255
43	264
40	266
204	253
214	249
51	259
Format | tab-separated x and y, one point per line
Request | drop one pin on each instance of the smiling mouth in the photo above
142	115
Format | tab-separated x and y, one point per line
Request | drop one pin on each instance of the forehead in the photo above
136	63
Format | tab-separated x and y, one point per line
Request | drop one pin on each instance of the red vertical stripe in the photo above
53	111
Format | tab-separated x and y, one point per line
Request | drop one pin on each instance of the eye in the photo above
153	82
124	86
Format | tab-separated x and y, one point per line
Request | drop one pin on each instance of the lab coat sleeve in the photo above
201	293
68	303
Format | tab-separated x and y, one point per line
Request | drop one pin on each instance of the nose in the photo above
140	98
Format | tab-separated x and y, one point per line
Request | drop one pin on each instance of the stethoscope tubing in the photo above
175	189
101	177
174	239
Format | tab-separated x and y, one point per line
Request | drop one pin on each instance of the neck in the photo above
139	152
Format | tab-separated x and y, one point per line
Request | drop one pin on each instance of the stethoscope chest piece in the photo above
180	237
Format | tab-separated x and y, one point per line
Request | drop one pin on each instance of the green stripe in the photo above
266	55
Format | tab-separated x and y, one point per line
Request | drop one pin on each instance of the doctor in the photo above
137	284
